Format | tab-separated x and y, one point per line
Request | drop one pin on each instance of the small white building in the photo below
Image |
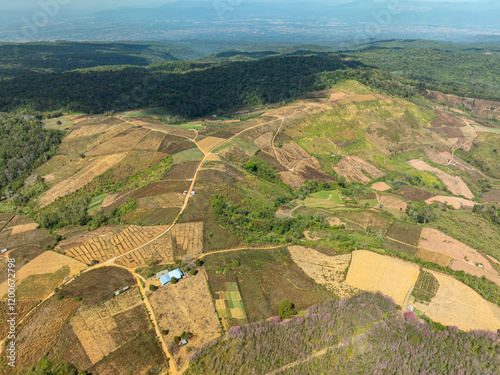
4	251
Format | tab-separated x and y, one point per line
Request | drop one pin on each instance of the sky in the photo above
111	4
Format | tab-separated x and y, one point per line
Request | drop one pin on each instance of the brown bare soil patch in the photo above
134	162
292	180
80	179
265	140
492	196
160	188
388	201
336	96
310	170
456	304
47	262
290	153
104	247
328	271
38	332
23	228
86	131
209	143
445	158
454	183
352	168
452	201
438	242
413	194
380	186
123	142
374	272
183	240
434	257
446	119
151	142
182	171
367	219
103	329
98	285
172	144
194	311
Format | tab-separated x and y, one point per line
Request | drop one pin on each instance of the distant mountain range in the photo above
269	21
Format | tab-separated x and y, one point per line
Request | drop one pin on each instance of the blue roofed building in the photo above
166	277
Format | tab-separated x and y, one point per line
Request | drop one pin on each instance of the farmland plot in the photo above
328	271
352	168
209	143
456	304
454	184
103	247
388	201
455	202
123	142
38	332
194	311
378	273
83	177
184	239
46	263
104	328
438	242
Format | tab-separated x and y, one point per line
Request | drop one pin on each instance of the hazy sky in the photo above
109	4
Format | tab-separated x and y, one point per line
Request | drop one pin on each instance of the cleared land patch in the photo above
456	304
183	240
425	288
454	184
98	285
329	271
104	328
105	247
186	306
380	186
378	273
80	179
388	201
209	143
455	202
438	242
48	262
352	168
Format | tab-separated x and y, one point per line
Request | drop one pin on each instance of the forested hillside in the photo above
463	70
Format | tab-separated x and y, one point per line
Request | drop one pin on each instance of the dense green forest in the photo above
24	145
195	92
57	57
193	89
463	70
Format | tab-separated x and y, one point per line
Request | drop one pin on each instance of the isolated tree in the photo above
286	310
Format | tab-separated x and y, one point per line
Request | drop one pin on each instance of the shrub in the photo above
193	272
173	280
286	310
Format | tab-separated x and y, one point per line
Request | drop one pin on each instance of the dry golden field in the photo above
187	306
381	186
388	201
209	143
457	203
378	273
325	270
458	305
98	329
105	247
